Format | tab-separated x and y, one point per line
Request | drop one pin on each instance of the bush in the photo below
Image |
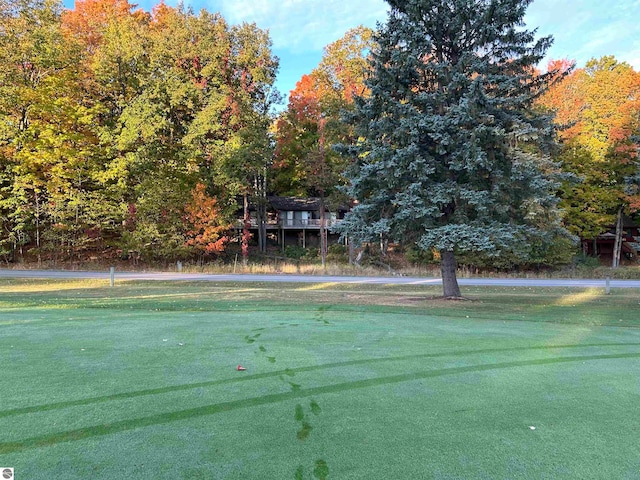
295	252
537	255
337	253
312	254
418	256
586	261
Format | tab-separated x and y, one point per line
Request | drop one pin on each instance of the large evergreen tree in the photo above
451	154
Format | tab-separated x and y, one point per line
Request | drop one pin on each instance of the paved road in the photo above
508	282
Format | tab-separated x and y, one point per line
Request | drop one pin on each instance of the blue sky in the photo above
582	29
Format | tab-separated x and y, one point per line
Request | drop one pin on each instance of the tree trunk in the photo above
260	235
261	193
617	246
262	226
384	245
323	234
449	280
351	250
246	234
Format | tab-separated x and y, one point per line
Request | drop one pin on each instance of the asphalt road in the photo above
506	282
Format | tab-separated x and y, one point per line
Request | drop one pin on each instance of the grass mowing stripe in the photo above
110	428
288	372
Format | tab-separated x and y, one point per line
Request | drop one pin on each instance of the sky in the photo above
582	29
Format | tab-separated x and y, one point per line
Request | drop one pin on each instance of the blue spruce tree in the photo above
450	153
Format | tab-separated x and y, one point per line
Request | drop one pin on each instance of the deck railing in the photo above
292	223
308	223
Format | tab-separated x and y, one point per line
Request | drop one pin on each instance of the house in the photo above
294	221
603	245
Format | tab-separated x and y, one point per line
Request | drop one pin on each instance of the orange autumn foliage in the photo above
566	99
599	108
207	229
304	100
88	19
598	105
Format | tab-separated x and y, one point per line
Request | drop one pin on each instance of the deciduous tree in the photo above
599	106
305	162
207	229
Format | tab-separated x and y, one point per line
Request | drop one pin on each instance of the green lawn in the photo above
342	382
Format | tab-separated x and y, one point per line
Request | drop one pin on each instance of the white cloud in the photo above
585	29
303	25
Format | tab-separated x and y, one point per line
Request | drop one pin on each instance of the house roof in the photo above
627	222
295	204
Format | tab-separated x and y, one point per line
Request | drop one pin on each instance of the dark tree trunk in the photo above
262	226
449	280
263	229
246	234
260	186
323	234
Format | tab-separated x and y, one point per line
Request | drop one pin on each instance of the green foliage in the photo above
554	252
295	252
419	256
312	254
586	261
337	253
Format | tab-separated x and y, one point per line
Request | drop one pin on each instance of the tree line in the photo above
124	130
130	131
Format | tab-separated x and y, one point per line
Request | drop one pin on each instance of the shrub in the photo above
337	253
295	252
586	261
539	255
418	256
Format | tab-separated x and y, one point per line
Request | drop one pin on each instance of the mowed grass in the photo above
342	382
